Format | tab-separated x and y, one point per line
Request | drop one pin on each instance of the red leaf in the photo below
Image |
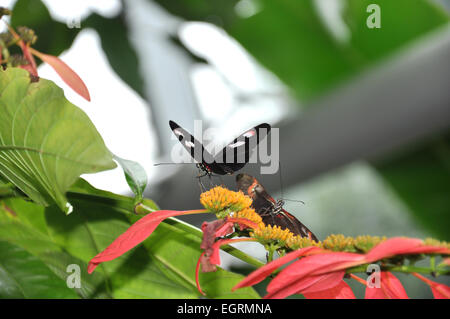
308	284
447	261
215	257
341	291
26	53
243	223
65	72
314	265
225	229
440	291
264	271
209	230
134	235
401	246
197	278
390	288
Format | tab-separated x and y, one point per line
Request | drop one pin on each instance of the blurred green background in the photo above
364	114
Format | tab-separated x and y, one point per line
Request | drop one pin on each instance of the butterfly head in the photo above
248	184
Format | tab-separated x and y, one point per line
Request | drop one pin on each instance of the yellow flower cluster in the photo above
351	244
435	242
251	215
222	201
283	237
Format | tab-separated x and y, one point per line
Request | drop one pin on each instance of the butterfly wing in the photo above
236	154
191	144
264	205
286	220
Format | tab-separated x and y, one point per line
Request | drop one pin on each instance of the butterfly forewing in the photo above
191	144
232	158
238	151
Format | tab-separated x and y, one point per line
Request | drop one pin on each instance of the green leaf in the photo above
421	178
402	21
46	142
135	176
162	268
23	224
23	275
290	38
177	250
82	190
120	53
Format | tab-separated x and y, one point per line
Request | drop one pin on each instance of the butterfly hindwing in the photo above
266	207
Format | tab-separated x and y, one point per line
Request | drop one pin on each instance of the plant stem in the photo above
403	269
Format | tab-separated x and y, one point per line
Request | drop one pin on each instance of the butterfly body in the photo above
232	158
271	211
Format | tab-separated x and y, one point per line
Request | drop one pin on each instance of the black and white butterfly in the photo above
231	158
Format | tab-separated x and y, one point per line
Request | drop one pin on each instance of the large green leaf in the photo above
23	224
46	142
421	178
174	246
23	275
164	267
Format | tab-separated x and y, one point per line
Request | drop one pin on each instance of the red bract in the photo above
208	262
440	291
307	284
390	288
297	275
264	271
320	272
341	291
447	261
32	68
402	246
134	235
212	230
65	72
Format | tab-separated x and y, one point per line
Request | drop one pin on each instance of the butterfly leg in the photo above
221	180
211	184
199	177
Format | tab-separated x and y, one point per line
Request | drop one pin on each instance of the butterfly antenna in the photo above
221	180
281	180
281	188
293	200
202	187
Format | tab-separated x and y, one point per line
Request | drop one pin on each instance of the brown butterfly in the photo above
271	211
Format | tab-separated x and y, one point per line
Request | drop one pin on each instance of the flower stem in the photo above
360	280
403	269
